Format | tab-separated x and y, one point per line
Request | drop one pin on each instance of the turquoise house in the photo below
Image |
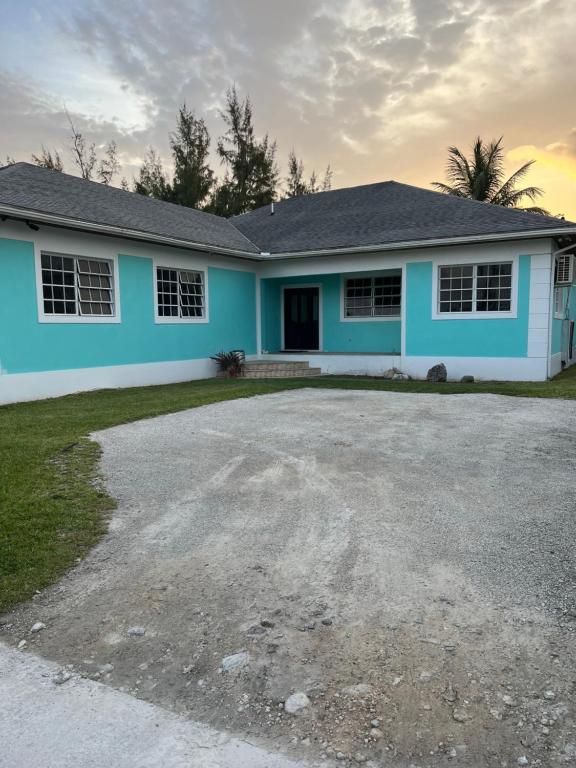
105	288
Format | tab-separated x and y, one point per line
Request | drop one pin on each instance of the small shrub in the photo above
231	364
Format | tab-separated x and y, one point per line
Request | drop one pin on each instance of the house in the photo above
105	288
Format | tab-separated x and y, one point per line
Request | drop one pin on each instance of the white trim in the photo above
403	309
453	260
17	387
258	315
25	214
320	319
43	317
179	266
363	275
352	365
482	368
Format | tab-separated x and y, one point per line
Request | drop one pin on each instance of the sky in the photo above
376	88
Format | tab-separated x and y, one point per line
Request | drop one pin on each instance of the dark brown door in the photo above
302	319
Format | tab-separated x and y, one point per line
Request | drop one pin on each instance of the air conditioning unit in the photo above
564	274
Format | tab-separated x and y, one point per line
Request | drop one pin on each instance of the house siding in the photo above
370	337
27	345
477	337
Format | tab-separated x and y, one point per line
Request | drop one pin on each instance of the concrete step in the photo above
274	373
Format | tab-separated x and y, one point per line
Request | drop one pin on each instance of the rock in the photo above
22	644
61	678
38	627
136	632
390	373
340	756
106	669
400	376
460	715
235	661
327	622
449	693
375	723
272	647
523	760
549	695
467	379
257	630
360	758
267	624
437	373
509	701
360	689
376	734
296	702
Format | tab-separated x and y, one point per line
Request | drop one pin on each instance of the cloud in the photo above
379	88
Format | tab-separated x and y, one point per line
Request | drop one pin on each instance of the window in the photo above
475	288
373	296
559	311
73	286
180	293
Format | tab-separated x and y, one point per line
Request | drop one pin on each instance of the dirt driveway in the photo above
406	561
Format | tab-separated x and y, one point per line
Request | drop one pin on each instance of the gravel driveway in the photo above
405	560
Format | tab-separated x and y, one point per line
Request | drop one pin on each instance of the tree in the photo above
9	161
86	159
190	144
296	184
251	173
152	180
48	160
481	177
109	165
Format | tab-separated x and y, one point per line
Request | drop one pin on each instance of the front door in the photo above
301	319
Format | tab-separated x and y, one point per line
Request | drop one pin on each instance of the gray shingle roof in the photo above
38	189
370	215
376	214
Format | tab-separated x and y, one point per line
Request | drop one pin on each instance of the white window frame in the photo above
44	317
179	266
456	261
559	302
369	275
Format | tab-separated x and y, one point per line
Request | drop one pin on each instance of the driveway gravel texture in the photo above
405	563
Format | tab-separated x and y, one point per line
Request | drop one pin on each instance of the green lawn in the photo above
51	512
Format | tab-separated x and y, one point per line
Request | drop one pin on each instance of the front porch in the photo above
340	323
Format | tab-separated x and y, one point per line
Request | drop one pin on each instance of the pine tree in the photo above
152	181
297	185
190	144
48	160
251	172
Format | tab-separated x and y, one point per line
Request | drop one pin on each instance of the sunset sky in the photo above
377	88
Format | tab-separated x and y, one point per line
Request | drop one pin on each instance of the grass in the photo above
52	511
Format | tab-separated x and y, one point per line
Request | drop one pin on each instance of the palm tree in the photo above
482	177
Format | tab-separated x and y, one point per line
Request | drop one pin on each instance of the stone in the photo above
390	373
467	379
267	624
400	376
437	373
38	627
523	760
376	734
360	758
360	689
327	622
549	695
375	723
22	644
449	693
296	702
257	629
460	715
509	701
105	669
235	661
136	632
61	678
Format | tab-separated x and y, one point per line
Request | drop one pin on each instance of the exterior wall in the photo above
136	350
559	337
336	335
